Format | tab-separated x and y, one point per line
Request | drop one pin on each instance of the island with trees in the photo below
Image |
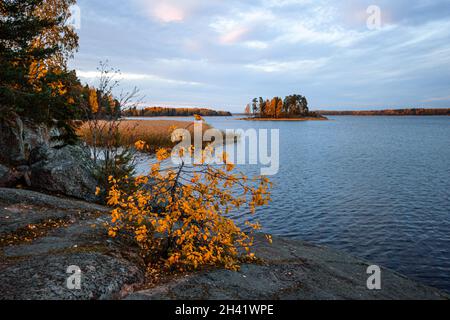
292	108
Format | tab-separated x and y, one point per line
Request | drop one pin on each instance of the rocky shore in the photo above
41	236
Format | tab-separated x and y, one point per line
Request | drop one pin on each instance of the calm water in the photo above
376	187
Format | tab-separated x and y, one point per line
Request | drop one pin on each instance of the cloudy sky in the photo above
222	53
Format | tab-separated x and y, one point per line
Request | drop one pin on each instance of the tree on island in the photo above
292	106
255	106
248	109
296	105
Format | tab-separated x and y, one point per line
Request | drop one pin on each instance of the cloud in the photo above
318	24
436	99
283	3
168	11
256	44
233	36
300	66
92	75
234	27
301	33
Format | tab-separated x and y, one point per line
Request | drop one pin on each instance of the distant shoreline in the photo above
286	119
174	112
390	112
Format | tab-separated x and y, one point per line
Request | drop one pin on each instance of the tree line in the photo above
393	112
173	112
291	106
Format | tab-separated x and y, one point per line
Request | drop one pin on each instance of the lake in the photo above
375	187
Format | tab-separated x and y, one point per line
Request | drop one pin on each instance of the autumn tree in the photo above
296	105
93	100
262	106
247	109
279	108
60	34
30	86
181	214
291	106
267	108
271	112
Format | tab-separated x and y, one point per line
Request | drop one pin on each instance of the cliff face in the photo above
19	138
31	155
42	236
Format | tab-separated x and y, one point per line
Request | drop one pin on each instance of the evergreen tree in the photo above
255	106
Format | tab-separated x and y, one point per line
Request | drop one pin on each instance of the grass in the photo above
156	133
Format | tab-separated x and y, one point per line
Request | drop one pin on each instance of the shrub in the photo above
181	215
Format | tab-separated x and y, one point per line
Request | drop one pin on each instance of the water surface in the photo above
375	187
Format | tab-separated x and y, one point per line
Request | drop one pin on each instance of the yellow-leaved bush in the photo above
181	215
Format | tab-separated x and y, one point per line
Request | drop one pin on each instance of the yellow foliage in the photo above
198	118
162	154
140	145
181	216
93	100
38	70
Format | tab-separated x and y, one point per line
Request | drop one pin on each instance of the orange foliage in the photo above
181	215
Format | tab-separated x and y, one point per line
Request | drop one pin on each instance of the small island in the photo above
292	108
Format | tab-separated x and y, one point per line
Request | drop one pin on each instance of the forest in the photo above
173	112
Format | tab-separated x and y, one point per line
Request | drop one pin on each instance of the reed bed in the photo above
155	133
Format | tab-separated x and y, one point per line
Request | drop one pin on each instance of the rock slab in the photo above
292	270
37	269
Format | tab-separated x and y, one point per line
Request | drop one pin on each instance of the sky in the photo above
341	55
